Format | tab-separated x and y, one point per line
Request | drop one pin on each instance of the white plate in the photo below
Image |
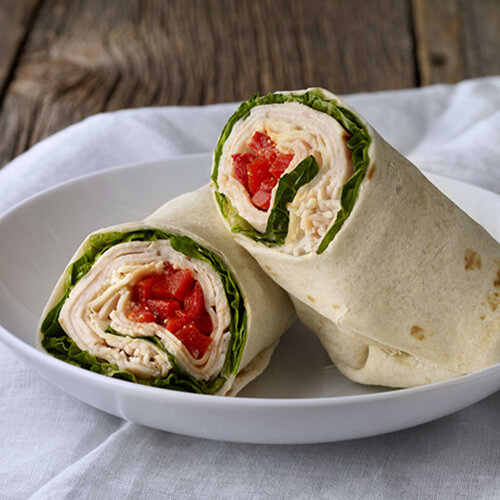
300	398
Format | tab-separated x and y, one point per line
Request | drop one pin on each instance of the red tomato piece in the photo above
194	341
141	314
142	290
204	324
258	171
261	199
280	164
174	324
262	145
162	309
174	285
240	162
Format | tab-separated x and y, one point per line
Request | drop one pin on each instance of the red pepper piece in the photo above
162	309
168	268
240	162
174	299
262	145
194	304
141	314
261	199
174	285
204	324
263	168
258	171
194	341
142	290
268	184
174	324
280	164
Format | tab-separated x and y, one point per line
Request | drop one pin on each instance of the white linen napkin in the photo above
53	446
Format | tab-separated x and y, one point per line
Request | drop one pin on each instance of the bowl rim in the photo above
31	352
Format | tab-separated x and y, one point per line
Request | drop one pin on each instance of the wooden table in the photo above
63	60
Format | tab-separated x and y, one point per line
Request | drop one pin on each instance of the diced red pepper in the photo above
174	299
261	199
162	309
174	323
142	290
174	285
168	268
194	341
204	324
258	171
268	184
280	164
141	314
194	305
240	162
262	145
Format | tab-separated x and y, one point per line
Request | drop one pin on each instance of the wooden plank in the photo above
88	56
15	20
456	39
356	46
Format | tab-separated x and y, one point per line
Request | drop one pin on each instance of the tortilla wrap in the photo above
400	285
86	321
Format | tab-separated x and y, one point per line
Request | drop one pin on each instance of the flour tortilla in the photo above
408	291
269	311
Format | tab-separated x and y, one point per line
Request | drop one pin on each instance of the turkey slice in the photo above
102	299
303	132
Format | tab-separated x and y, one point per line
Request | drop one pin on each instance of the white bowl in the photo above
301	397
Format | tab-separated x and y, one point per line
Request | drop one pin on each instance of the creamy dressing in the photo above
297	129
102	299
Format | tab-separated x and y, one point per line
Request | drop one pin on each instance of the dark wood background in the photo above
63	60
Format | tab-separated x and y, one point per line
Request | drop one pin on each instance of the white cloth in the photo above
53	446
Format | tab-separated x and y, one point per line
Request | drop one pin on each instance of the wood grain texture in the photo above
87	56
456	39
15	21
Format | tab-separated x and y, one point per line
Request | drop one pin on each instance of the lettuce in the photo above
279	218
59	344
358	144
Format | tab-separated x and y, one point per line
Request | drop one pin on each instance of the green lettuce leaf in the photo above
358	144
279	218
59	344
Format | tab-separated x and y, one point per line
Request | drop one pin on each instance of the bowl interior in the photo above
40	236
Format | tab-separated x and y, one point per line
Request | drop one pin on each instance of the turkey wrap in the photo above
169	302
400	285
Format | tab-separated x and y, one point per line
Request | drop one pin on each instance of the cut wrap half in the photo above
401	286
170	302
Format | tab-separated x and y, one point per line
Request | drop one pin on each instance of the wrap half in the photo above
400	285
169	302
